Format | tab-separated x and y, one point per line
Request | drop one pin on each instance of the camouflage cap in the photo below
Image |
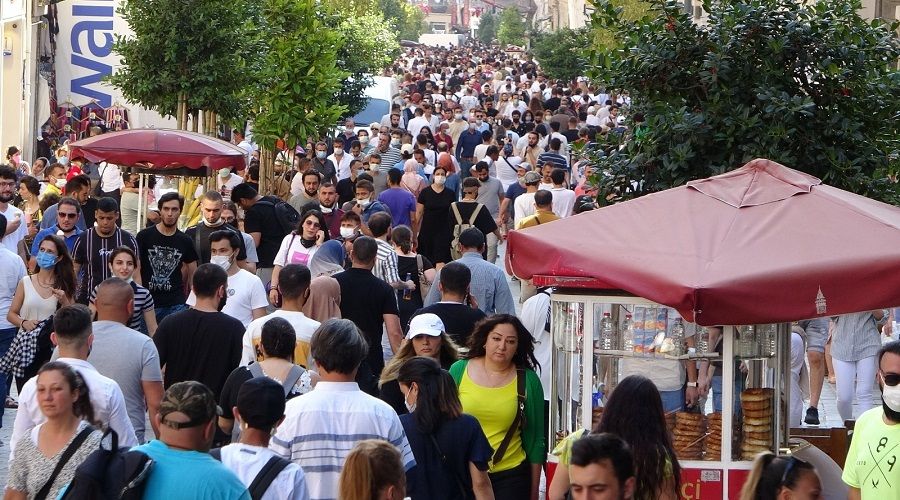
191	398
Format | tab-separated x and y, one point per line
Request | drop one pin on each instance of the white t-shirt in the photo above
227	183
110	177
342	167
304	328
246	461
245	293
563	201
507	173
523	207
292	251
11	240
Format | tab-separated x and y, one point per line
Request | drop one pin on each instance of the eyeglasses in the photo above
890	379
67	216
311	223
8	184
792	462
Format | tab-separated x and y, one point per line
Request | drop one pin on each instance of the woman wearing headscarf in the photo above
411	180
445	161
324	301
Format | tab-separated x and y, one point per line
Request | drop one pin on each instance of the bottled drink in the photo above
768	340
703	341
677	338
407	293
628	334
607	334
747	342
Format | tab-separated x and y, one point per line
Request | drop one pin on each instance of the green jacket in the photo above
534	435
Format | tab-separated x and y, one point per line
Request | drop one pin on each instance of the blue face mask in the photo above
321	154
45	260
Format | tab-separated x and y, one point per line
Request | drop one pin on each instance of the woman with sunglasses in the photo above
299	246
782	478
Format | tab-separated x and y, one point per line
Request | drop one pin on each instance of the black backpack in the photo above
264	478
286	215
111	473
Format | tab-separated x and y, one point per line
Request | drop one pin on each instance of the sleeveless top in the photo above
35	307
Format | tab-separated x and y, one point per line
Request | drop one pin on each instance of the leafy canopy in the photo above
512	28
560	53
367	47
810	85
487	27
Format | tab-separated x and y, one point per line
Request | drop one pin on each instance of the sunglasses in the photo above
890	379
311	223
792	463
67	216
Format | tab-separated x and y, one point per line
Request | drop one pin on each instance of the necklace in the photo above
45	285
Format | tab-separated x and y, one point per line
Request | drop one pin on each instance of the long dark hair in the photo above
438	400
635	413
323	226
64	269
82	406
402	237
524	356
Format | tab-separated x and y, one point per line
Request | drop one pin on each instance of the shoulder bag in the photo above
424	284
518	422
63	460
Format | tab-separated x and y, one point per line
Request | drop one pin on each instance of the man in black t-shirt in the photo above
210	222
166	253
201	343
370	303
455	308
93	247
261	223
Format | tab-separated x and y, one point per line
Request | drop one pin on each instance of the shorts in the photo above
816	334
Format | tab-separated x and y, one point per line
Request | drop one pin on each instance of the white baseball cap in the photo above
425	324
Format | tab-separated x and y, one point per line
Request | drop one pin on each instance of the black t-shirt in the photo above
261	219
571	135
161	260
364	300
410	265
88	209
199	236
552	104
346	190
461	441
459	319
483	220
201	346
92	252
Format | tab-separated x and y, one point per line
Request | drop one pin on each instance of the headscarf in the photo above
445	161
324	301
411	179
328	259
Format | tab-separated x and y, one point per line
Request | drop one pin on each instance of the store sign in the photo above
84	50
701	484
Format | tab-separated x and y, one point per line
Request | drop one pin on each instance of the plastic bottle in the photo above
747	342
628	334
703	341
407	293
677	338
607	334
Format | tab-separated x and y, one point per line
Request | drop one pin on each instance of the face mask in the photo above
458	116
364	203
521	180
360	171
60	183
321	155
222	303
223	261
347	232
17	158
215	223
472	126
338	152
395	142
45	260
440	179
325	210
363	139
223	173
63	160
374	166
891	396
307	243
479	122
410	407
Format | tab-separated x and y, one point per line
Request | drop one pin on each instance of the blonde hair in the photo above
770	473
449	354
371	466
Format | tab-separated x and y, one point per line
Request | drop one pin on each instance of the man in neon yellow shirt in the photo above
872	469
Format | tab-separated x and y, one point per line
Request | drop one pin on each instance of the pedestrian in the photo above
499	387
12	272
433	212
66	212
426	338
324	298
468	212
211	205
602	467
15	218
261	222
321	427
94	246
855	344
201	343
51	451
816	336
167	257
299	246
258	409
182	468
414	266
400	199
781	477
455	309
373	471
490	194
543	211
122	263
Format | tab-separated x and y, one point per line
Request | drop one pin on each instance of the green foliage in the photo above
487	27
407	21
512	28
561	53
810	85
298	76
199	49
631	10
368	47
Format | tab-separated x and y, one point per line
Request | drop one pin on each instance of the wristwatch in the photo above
692	384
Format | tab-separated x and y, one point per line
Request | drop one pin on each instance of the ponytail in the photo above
82	406
770	473
370	468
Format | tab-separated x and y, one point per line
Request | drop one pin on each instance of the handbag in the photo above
424	284
66	456
518	422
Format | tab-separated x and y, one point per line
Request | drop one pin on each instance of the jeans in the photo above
672	400
162	312
6	338
859	374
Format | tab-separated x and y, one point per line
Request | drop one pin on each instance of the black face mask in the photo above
222	302
893	416
307	243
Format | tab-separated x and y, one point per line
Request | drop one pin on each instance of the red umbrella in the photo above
160	149
761	244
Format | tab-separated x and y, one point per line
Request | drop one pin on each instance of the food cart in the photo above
752	250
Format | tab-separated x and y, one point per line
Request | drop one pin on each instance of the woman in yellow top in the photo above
500	352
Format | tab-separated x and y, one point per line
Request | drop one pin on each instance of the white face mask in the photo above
374	166
363	203
223	261
891	396
440	179
363	139
410	407
325	210
60	183
458	116
347	232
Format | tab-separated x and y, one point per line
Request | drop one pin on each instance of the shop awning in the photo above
170	151
763	243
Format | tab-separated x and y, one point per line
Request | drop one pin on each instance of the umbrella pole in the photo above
141	209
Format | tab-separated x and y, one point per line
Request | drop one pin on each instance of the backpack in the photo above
110	473
290	381
460	227
286	215
264	478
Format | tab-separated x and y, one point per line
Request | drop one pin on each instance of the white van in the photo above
381	94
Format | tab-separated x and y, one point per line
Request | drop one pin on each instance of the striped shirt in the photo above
322	427
558	160
91	252
143	301
389	158
856	336
386	263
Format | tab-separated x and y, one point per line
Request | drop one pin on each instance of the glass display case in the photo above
600	339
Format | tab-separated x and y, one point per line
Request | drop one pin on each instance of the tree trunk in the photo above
266	170
179	112
195	121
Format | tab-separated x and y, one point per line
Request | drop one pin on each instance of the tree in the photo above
487	27
810	85
368	46
560	53
511	29
407	20
185	56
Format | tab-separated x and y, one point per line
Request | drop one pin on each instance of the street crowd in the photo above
347	334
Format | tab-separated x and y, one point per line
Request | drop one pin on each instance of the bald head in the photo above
114	301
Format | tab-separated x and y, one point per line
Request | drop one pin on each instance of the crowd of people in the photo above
347	334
